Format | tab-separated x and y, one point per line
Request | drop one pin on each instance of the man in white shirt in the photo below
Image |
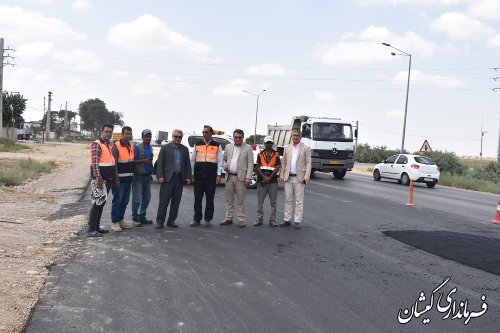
296	172
238	164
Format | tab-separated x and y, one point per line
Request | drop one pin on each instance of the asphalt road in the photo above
361	256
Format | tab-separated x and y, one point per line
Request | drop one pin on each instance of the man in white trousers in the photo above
295	173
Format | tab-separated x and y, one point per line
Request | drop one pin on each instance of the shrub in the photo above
491	172
448	162
7	145
23	170
367	154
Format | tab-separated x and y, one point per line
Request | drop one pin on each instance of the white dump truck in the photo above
331	141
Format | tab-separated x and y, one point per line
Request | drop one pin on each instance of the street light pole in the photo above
407	90
256	113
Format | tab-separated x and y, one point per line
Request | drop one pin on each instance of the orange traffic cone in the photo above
496	220
410	194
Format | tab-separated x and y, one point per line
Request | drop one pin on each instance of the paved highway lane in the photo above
361	256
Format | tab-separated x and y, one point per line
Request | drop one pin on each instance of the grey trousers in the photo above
170	193
270	189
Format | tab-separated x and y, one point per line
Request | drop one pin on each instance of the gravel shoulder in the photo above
39	224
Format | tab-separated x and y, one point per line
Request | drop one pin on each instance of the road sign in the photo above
426	148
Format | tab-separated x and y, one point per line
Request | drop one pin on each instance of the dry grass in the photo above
17	172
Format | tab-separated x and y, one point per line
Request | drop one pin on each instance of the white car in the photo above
406	167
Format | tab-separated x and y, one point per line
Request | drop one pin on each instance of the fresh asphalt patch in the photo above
471	250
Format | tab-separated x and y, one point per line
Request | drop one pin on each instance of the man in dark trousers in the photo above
206	162
173	169
103	173
123	152
141	187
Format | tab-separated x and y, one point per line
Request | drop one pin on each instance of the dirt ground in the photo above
39	224
33	232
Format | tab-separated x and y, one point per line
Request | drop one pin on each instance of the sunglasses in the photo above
177	137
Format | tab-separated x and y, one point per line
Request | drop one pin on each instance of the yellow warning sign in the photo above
426	147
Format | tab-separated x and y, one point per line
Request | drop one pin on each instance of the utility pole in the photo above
47	126
66	128
481	153
1	87
2	65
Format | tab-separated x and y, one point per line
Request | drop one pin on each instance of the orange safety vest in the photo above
106	159
271	165
125	160
206	153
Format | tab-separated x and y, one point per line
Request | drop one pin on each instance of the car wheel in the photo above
376	175
405	179
430	184
339	174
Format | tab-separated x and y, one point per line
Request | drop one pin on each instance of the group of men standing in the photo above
126	168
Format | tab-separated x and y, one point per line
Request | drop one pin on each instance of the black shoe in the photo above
159	226
284	224
297	225
93	234
144	220
103	231
195	224
172	225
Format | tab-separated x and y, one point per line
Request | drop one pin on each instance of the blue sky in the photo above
182	64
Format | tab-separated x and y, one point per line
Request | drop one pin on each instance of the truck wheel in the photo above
376	175
339	174
405	179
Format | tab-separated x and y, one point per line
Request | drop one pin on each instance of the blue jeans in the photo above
121	197
141	195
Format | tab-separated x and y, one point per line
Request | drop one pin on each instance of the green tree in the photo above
93	114
448	162
13	108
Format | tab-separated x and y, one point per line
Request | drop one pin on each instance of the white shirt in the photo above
233	167
293	160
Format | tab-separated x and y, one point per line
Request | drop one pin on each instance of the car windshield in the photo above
424	160
332	132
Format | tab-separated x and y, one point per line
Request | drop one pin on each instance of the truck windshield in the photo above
332	132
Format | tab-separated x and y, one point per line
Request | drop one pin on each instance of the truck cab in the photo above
331	141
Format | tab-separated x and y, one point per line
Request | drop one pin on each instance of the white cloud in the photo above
395	114
152	84
421	79
121	73
79	60
81	5
43	2
494	42
269	69
231	88
27	27
460	26
365	47
397	2
485	9
35	49
324	95
148	33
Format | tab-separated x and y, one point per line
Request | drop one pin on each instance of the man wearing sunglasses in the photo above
173	170
238	164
